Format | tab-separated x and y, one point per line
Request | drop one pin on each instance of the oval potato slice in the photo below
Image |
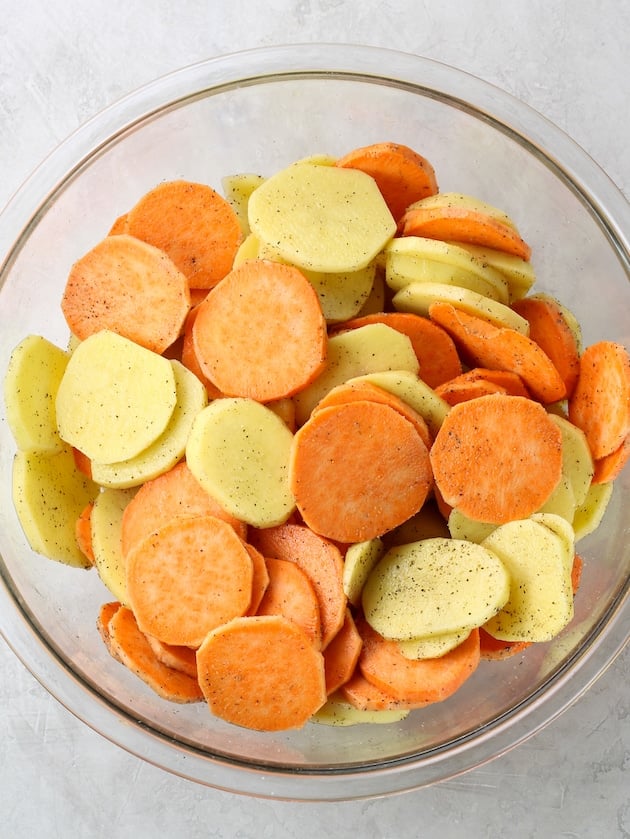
115	397
434	587
322	218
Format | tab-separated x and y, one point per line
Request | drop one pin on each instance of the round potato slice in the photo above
115	397
434	587
239	451
322	218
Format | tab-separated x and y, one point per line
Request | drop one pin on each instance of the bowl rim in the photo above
432	78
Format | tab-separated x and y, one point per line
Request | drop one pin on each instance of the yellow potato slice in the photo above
106	526
418	259
540	604
563	530
115	398
561	502
170	446
322	218
239	451
577	461
462	527
432	647
337	712
33	375
49	495
518	273
589	514
376	298
434	587
237	190
417	297
359	561
465	202
367	349
248	249
412	390
425	524
341	294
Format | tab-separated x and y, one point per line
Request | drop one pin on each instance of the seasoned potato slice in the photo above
518	273
359	561
462	527
115	397
433	646
589	514
371	348
434	587
577	462
106	524
237	190
49	495
35	370
169	447
322	218
540	604
417	297
464	202
338	712
418	259
239	451
412	390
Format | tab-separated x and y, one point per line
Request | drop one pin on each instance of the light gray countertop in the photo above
61	61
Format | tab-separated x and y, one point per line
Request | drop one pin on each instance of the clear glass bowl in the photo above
255	112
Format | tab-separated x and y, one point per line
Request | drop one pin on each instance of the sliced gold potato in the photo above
33	375
337	712
359	561
417	297
540	604
237	190
462	527
589	514
433	646
115	397
518	273
322	218
434	587
106	525
49	495
170	446
239	451
371	348
577	461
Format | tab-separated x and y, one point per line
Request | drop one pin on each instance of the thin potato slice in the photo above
35	370
237	190
359	561
169	447
368	349
49	495
432	646
518	273
106	525
589	514
322	218
336	712
239	451
434	587
417	297
577	462
540	604
115	398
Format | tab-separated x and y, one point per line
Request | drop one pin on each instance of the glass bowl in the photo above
257	111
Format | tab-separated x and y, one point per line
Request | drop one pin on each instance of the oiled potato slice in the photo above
370	348
170	446
589	514
425	524
321	218
462	527
563	530
577	462
412	390
239	451
417	297
35	370
418	259
248	249
337	712
464	202
434	587
518	273
359	560
115	397
540	604
237	190
433	646
106	526
561	502
49	496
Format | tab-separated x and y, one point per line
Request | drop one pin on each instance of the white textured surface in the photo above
63	60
